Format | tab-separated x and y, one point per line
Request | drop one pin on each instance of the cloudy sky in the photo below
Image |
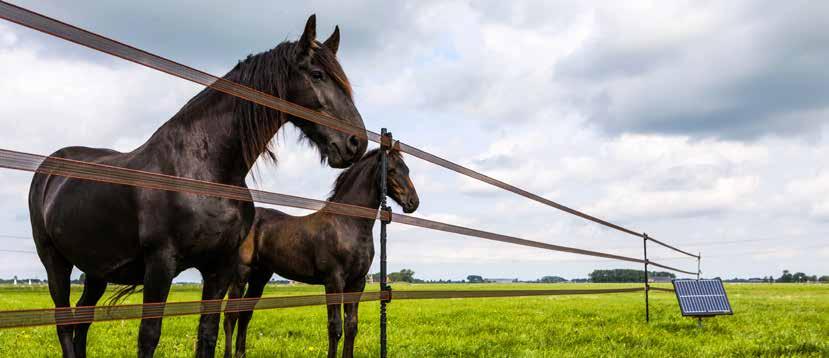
701	123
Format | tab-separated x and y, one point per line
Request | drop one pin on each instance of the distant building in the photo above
659	279
500	280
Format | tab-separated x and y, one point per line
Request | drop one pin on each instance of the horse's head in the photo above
400	186
305	72
317	81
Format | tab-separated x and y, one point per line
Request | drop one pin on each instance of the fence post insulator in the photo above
387	210
386	141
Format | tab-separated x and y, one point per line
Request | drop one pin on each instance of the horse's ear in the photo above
333	41
307	43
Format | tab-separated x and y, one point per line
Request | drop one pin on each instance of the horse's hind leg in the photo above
158	277
93	289
236	290
58	271
256	286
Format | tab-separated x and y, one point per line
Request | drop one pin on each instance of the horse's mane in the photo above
369	164
268	72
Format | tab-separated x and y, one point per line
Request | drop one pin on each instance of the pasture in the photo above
770	319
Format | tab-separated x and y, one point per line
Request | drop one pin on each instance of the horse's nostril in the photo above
353	144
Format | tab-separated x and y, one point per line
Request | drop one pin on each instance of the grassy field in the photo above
769	320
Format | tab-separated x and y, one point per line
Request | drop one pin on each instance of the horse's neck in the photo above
203	141
363	192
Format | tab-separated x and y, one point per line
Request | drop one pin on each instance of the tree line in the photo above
797	277
626	275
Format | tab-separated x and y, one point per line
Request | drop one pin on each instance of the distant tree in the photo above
80	279
800	277
625	275
824	279
404	275
475	279
786	277
552	279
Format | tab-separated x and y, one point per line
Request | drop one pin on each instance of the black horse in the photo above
133	236
321	248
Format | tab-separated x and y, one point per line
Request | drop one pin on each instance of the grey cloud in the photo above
781	86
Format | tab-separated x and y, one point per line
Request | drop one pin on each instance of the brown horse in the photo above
321	248
134	236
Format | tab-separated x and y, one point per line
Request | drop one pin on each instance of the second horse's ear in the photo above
333	41
307	43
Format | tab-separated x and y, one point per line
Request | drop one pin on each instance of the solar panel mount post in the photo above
702	298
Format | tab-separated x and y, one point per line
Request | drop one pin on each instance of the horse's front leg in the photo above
215	287
351	320
158	277
335	323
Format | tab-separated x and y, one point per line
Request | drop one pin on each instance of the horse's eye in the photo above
317	75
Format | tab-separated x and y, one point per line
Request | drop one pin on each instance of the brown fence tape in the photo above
439	294
76	315
89	39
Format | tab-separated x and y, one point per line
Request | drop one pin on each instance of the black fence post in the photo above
647	285
699	270
385	289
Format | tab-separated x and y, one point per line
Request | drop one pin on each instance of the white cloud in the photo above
51	103
7	38
811	194
726	194
778	253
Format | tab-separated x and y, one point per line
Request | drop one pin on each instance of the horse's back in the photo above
91	224
45	189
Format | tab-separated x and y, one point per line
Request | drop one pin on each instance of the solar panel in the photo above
704	297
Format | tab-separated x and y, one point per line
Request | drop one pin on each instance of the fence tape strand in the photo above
77	315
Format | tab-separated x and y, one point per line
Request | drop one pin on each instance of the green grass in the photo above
769	320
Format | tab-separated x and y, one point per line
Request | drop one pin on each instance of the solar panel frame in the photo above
702	298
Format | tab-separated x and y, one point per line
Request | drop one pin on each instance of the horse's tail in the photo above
122	293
